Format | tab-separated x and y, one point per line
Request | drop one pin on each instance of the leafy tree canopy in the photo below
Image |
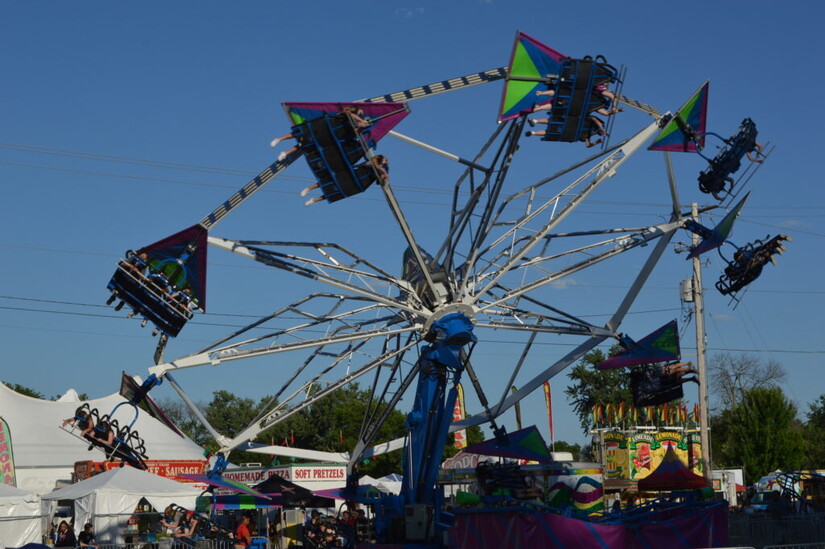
591	386
761	433
23	390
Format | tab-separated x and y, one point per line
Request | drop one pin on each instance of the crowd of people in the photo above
344	530
183	529
62	535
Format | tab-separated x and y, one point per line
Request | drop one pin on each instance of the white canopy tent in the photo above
20	517
45	454
108	500
391	483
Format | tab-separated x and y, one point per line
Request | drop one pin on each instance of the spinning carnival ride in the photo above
503	247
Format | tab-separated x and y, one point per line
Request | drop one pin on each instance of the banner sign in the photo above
460	437
169	468
6	455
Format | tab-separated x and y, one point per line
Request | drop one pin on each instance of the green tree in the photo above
332	424
474	436
761	433
815	435
591	386
23	390
562	446
229	414
185	419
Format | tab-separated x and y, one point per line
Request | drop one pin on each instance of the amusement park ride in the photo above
503	245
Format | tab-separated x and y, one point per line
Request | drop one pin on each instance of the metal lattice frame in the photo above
498	251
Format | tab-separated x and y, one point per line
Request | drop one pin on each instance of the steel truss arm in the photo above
245	192
426	269
370	430
278	416
215	358
459	219
642	240
315	320
587	345
505	155
604	170
539	328
334	457
295	265
634	233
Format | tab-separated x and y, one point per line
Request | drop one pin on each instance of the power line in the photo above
142	162
287	317
225	325
121	159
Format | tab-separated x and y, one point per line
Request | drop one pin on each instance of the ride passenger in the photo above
136	266
356	115
186	529
103	436
611	106
137	263
378	164
167	521
547	104
160	283
594	125
680	370
83	421
757	151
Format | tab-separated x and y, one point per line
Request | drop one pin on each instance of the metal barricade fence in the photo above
763	531
797	546
257	543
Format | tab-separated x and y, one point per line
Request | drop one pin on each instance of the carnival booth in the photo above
20	517
109	500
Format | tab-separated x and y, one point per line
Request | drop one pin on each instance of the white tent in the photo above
20	517
44	453
391	483
108	500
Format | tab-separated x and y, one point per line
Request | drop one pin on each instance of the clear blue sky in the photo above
199	84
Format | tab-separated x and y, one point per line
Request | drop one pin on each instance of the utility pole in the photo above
699	317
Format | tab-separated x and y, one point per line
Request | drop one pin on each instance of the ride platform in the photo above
149	299
717	176
576	97
337	153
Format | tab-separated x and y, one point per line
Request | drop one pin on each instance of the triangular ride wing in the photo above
523	444
660	346
530	64
191	272
385	115
720	232
685	132
220	482
291	494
